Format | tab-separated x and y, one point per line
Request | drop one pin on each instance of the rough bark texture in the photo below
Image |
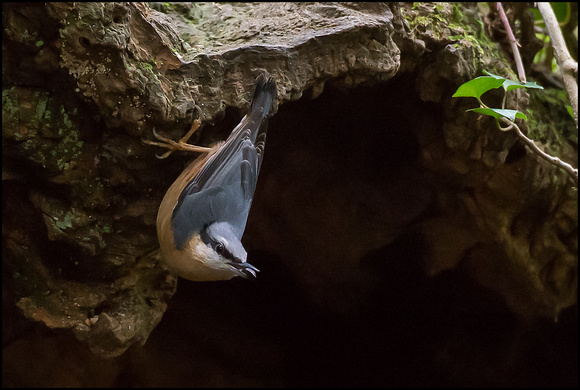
402	241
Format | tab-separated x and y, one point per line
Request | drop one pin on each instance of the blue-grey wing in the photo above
224	188
252	155
224	196
213	204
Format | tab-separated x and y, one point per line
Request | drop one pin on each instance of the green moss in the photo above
9	105
65	223
456	22
146	66
456	13
148	72
548	121
68	219
66	121
41	109
46	129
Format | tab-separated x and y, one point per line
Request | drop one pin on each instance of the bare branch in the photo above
573	172
514	43
568	66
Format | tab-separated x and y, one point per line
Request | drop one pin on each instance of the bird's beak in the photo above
246	270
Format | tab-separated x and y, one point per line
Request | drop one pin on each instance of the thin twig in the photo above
513	42
573	172
567	64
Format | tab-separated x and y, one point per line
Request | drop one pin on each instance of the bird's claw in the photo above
179	145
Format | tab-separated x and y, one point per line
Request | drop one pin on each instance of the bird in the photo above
203	215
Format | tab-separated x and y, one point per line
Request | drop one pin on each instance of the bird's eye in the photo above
219	248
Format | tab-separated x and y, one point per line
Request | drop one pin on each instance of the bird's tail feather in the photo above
263	96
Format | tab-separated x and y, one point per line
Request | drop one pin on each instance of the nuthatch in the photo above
203	215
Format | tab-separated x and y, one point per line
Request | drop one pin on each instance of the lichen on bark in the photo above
83	83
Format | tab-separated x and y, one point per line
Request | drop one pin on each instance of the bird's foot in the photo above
179	145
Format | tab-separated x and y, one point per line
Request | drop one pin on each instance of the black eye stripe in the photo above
227	254
221	249
214	244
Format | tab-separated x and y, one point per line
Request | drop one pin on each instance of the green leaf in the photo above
561	10
499	113
537	16
493	75
570	112
509	85
477	87
521	115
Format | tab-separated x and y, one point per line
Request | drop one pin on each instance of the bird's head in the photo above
216	254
